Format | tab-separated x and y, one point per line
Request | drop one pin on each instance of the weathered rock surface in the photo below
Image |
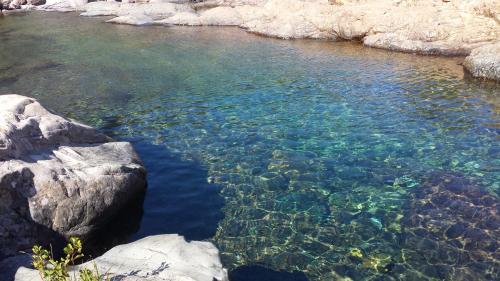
162	257
12	4
58	177
431	27
484	62
426	26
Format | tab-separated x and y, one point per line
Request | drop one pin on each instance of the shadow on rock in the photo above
18	231
118	231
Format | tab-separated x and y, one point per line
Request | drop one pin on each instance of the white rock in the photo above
63	5
434	27
221	16
425	26
101	8
183	18
162	257
137	19
290	19
484	62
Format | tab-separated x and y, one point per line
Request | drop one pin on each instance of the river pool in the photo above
329	160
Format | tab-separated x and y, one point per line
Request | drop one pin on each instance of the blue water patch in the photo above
179	198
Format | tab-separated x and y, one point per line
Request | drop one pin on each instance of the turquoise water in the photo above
330	159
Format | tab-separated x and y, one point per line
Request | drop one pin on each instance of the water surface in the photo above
328	159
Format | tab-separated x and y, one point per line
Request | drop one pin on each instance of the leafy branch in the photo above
51	269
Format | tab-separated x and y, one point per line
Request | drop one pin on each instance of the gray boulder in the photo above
16	4
484	62
59	178
36	2
13	4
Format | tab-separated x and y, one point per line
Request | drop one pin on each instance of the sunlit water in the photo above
326	158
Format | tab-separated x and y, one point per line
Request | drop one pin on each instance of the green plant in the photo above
51	269
91	275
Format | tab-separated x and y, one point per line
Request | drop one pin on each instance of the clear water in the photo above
330	159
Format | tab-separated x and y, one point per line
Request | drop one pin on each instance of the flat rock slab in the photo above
58	178
161	257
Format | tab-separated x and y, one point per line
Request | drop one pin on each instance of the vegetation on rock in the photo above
51	269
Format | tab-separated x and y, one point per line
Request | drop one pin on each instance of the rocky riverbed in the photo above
431	27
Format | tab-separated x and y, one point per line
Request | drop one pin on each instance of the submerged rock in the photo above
452	230
59	178
484	62
154	258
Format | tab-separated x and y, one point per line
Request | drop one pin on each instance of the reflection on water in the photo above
332	159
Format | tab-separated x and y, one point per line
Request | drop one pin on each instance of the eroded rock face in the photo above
63	5
452	230
12	4
162	257
431	27
58	177
484	62
426	27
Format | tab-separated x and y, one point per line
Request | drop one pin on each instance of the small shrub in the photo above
58	270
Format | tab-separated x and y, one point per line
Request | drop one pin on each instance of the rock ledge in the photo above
154	258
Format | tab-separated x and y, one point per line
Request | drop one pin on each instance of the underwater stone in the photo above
455	230
443	229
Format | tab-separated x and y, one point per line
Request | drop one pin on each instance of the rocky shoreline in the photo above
428	27
60	178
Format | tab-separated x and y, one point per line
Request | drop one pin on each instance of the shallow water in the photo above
324	158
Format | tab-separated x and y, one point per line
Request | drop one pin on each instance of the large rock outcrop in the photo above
484	62
58	177
154	258
16	4
427	26
430	27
